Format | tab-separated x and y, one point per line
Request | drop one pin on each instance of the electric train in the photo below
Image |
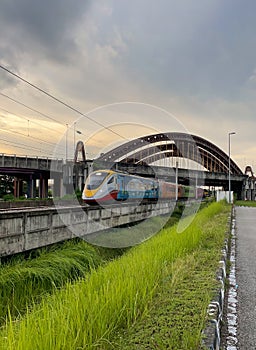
108	186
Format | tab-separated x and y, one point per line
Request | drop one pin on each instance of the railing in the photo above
29	162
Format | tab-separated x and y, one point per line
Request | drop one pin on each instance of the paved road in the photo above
246	277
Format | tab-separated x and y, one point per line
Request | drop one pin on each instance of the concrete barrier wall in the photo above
23	230
26	203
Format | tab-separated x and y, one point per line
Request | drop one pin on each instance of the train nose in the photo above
89	193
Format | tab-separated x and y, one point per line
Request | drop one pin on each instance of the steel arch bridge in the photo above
152	148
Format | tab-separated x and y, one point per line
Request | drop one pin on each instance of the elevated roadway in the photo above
136	157
32	169
72	174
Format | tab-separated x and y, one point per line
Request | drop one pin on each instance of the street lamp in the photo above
176	181
66	142
74	136
229	182
76	132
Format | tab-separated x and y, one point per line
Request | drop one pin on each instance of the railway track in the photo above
87	207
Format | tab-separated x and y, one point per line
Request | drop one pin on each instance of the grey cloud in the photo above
201	48
187	47
40	28
130	49
6	80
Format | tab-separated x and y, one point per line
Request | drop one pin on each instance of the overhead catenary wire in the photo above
60	101
31	120
24	146
32	109
43	150
24	135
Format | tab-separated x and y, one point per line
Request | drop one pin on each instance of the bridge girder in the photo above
148	149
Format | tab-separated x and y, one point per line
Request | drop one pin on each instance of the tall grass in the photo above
86	315
177	313
24	282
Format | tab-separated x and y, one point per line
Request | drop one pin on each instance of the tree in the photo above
6	185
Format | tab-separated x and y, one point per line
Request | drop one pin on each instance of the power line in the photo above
30	120
43	151
30	108
30	137
60	101
22	146
45	154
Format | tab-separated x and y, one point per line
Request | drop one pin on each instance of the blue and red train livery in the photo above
109	186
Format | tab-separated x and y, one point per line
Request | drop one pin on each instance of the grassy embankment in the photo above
177	313
246	203
167	282
24	280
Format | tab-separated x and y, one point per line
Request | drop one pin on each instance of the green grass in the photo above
88	314
24	282
246	203
131	235
177	313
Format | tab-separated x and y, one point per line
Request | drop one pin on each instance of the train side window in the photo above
131	185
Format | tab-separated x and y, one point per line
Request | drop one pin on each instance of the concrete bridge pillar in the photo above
18	187
31	187
67	178
57	186
43	187
74	176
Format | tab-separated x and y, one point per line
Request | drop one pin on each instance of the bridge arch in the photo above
151	148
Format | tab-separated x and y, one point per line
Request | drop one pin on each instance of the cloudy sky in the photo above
181	65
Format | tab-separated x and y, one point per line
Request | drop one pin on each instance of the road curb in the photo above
212	332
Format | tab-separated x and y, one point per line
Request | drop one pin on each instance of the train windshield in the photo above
96	179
